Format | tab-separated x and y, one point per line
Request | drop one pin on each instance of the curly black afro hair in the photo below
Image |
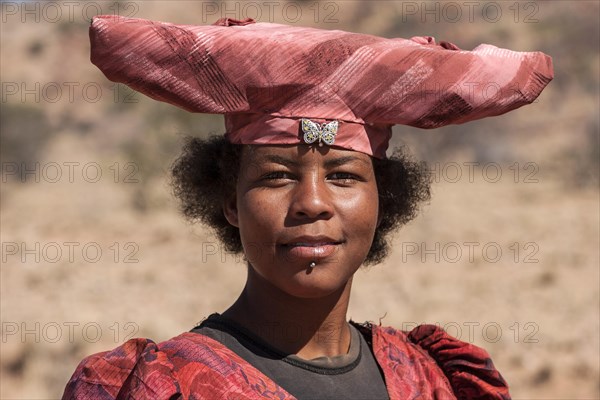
206	172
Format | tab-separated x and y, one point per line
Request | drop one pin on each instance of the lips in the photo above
311	247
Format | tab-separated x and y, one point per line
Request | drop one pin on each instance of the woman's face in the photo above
295	205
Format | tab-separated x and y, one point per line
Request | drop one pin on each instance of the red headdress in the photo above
279	84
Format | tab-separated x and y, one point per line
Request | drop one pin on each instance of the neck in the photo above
310	328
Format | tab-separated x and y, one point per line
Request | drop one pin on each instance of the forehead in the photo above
303	154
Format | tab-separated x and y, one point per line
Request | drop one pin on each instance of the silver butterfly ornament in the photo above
325	132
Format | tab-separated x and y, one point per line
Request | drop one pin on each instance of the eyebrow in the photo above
335	162
288	162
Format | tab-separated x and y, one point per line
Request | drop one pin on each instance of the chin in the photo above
311	286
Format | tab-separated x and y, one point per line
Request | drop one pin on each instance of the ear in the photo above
230	210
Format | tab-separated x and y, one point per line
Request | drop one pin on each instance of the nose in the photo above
311	199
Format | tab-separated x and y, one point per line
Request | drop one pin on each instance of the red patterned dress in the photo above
425	363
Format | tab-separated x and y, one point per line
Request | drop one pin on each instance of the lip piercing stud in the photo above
312	265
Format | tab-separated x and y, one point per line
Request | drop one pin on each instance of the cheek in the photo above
361	215
258	215
369	221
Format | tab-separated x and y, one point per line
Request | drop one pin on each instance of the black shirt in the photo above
354	375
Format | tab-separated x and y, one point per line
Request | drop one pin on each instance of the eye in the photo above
343	177
277	175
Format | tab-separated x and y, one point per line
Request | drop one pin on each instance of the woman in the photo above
302	186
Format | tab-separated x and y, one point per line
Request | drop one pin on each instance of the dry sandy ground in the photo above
535	309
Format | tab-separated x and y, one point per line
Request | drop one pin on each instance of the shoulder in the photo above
141	368
437	356
103	375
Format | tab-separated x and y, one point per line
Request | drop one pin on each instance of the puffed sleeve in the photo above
134	370
469	368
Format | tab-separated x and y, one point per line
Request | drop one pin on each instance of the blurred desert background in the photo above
94	252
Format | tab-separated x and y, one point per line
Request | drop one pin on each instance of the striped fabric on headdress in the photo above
279	84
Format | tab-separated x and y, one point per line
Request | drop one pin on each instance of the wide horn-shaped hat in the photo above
279	84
